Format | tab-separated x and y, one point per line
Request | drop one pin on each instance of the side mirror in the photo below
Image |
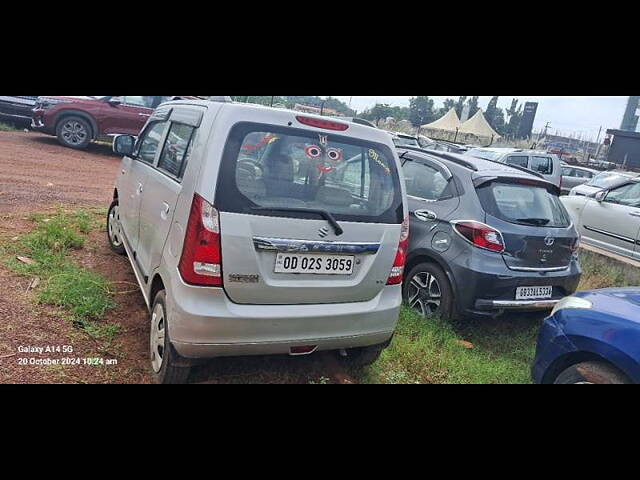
123	144
599	196
113	101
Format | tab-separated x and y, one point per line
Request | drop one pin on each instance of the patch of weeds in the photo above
5	127
84	294
321	381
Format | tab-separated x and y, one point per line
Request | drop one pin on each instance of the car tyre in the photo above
426	290
166	364
73	132
114	228
592	372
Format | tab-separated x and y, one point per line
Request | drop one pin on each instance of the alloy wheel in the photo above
424	294
74	133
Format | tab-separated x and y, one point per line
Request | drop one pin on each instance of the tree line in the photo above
421	110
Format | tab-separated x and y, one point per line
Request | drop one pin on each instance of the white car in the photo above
610	219
601	181
255	231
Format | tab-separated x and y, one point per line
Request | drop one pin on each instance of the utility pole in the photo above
545	129
271	104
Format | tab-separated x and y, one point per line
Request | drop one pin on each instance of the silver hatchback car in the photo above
255	230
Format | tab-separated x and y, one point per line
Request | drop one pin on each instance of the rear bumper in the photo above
205	323
515	304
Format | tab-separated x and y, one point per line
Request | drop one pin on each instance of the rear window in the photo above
542	165
605	180
277	167
485	154
405	142
523	204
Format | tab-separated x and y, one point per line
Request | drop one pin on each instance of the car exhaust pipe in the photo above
302	350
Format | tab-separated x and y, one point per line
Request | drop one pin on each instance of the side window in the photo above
150	140
148	102
519	160
176	149
541	165
424	181
567	172
626	195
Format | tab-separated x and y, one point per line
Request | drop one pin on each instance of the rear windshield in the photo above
523	204
605	180
277	167
485	154
405	142
543	165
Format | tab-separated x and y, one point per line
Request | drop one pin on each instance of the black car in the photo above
485	237
17	110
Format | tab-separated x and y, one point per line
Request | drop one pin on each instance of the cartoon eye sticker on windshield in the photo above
334	154
313	151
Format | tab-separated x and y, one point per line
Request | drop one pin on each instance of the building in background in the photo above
631	114
625	148
528	116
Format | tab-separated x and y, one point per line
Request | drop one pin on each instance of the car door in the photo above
164	185
134	174
129	116
431	198
518	160
614	222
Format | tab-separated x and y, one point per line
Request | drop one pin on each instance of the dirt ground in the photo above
38	175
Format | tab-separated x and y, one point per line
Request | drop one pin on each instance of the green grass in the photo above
5	127
84	295
428	351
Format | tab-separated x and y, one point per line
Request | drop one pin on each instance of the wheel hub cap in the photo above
74	132
114	227
157	337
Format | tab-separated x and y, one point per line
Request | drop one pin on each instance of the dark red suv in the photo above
78	120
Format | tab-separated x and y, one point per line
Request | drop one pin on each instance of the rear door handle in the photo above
165	210
139	188
425	215
634	214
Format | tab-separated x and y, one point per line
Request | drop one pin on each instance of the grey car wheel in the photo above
426	290
74	132
114	228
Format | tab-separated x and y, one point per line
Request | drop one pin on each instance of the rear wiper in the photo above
318	211
534	221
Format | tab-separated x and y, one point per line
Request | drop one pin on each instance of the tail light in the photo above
480	235
201	260
326	124
395	277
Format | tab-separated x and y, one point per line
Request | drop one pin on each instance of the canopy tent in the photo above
478	125
448	122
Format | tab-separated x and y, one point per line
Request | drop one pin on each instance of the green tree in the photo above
420	111
447	105
473	106
460	105
378	112
491	110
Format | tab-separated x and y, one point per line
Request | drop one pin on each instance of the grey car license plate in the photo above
314	263
533	293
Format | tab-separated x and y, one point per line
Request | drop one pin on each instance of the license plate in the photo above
318	264
532	293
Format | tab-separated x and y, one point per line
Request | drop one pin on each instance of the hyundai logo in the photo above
548	241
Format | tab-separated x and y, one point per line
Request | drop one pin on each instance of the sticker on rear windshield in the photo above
375	156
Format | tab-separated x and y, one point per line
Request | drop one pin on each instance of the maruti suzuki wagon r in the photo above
255	230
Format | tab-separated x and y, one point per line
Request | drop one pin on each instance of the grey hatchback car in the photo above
255	230
485	237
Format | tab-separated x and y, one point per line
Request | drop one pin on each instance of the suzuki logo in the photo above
548	241
323	232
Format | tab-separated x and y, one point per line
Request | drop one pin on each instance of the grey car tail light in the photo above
201	260
480	235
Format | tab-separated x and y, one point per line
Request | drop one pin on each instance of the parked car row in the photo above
256	230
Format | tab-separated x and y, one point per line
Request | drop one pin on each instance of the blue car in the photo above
591	337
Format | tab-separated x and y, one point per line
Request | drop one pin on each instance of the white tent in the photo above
447	122
478	125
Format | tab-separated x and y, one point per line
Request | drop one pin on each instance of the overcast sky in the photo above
565	114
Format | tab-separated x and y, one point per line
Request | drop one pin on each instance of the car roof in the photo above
478	167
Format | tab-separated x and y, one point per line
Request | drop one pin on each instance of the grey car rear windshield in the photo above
268	166
523	204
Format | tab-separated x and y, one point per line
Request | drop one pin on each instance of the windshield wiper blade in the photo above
534	221
318	211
